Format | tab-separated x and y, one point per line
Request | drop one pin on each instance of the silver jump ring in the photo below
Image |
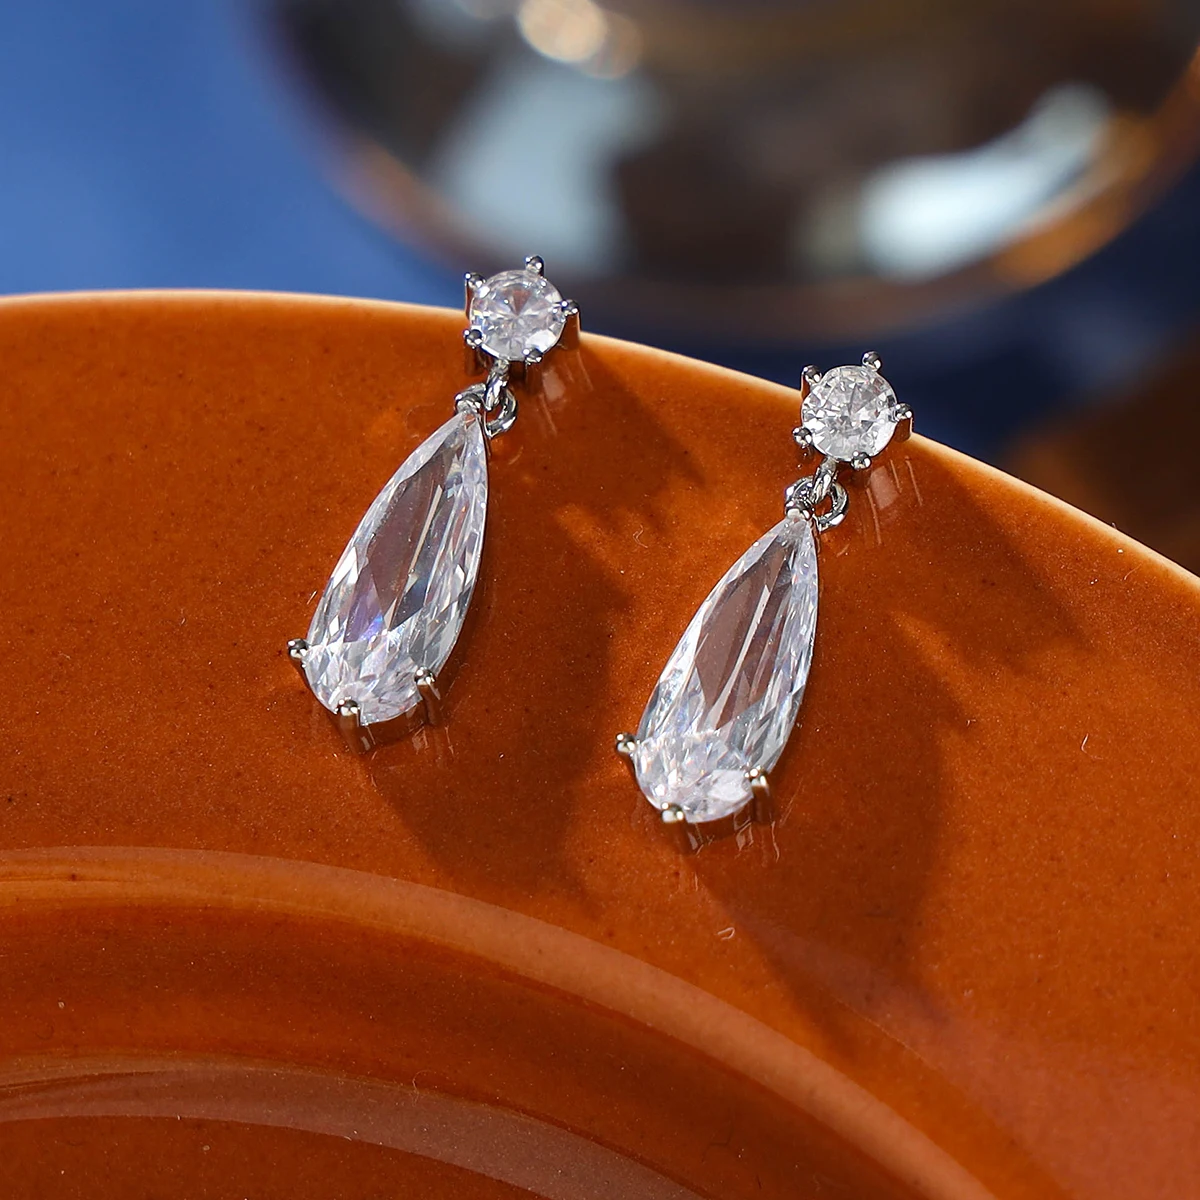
502	422
496	387
805	495
475	398
839	502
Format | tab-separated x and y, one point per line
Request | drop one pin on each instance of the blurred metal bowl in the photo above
758	170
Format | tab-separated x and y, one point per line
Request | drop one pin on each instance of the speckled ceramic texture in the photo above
235	960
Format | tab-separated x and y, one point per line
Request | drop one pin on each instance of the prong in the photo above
761	808
674	818
809	378
569	338
534	263
349	722
430	696
904	424
297	648
872	360
471	282
533	358
476	359
803	438
861	462
626	745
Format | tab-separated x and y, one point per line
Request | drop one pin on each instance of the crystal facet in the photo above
398	596
850	411
730	692
517	312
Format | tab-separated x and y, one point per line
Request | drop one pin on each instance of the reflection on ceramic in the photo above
961	962
484	1139
760	171
489	1141
564	1011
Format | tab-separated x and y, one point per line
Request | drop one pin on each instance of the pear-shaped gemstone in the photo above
728	697
399	594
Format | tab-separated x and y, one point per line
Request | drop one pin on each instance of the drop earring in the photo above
724	707
385	626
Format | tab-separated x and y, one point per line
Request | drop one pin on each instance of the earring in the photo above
394	606
724	707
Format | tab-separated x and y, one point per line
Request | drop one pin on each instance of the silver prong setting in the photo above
872	360
675	819
535	263
476	356
297	648
569	338
861	462
431	697
761	806
363	738
904	424
803	438
809	378
626	746
471	282
356	735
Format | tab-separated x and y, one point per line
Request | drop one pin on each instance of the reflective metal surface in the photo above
762	168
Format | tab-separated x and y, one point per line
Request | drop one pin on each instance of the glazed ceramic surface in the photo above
237	961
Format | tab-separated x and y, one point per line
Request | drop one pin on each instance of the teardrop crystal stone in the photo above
729	694
399	594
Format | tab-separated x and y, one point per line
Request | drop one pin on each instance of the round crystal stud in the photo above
517	313
850	411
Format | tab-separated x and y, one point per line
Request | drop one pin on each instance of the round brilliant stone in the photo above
517	313
850	411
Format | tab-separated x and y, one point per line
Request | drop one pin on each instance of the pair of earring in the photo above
723	709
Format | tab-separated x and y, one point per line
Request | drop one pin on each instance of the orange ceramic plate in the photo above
235	961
